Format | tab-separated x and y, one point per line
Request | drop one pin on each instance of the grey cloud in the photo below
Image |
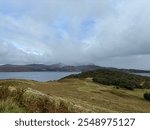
50	31
10	54
126	32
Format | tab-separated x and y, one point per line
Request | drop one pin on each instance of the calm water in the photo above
38	76
143	74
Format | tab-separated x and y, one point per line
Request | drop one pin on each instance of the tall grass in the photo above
10	106
21	99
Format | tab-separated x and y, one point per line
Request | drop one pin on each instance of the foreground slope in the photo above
69	95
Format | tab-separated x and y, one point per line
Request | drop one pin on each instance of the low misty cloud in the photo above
104	32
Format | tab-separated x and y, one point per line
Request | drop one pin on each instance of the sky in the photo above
111	33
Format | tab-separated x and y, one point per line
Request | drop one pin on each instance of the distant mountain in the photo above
60	67
42	67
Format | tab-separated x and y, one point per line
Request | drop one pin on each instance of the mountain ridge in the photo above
61	67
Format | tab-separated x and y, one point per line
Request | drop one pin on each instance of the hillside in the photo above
115	77
61	68
69	95
42	67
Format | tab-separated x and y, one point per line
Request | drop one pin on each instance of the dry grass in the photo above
73	95
14	98
9	105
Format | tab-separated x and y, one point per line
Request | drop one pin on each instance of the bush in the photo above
102	80
146	84
147	96
130	85
4	93
11	106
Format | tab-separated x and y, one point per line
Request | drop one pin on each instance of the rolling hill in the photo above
103	90
42	67
61	67
118	78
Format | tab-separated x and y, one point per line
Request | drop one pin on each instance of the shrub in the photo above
117	82
147	96
4	93
146	85
10	105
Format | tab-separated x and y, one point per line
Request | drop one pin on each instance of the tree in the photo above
147	96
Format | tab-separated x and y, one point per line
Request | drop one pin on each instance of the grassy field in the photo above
69	95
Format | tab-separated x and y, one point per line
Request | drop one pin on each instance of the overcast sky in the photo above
112	33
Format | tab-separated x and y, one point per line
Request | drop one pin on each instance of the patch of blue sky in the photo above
6	29
12	11
59	35
61	22
10	41
46	38
11	33
115	2
61	26
86	28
